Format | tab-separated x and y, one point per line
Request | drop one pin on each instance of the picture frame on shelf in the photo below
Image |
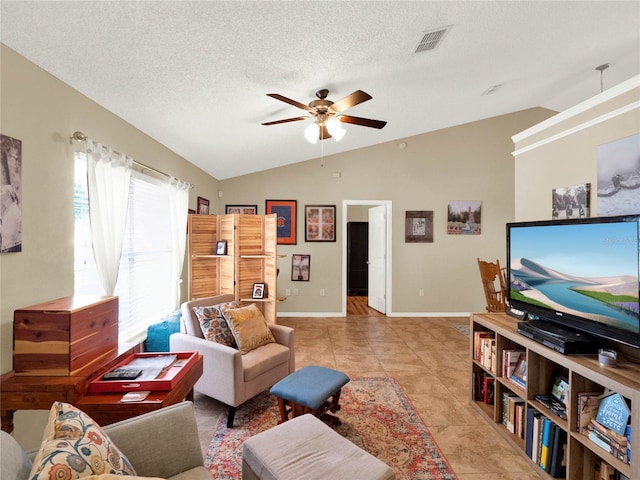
286	210
300	268
221	247
203	206
242	209
320	223
418	226
259	291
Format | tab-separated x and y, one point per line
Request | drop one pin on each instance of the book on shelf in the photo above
515	410
545	447
538	420
484	343
588	403
488	391
528	437
483	387
627	434
608	440
505	406
519	375
558	466
510	360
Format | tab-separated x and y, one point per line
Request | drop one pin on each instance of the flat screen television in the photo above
579	273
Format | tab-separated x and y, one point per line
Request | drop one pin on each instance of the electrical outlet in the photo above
421	292
322	292
287	292
296	291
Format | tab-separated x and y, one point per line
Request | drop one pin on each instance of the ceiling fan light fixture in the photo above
311	133
335	129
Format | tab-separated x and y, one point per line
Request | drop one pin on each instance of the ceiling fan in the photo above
328	114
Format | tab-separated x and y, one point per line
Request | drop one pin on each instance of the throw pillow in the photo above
74	446
249	327
213	324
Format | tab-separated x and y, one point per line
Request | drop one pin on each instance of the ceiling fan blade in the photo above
277	96
286	120
352	100
365	122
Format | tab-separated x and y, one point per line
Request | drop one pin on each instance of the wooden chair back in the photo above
494	283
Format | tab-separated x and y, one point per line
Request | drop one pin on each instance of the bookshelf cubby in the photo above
583	373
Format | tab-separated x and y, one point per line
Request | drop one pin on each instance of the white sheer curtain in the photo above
108	190
178	205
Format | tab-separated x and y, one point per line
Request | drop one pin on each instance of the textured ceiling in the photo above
193	75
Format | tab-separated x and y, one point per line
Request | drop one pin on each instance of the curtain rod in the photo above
81	137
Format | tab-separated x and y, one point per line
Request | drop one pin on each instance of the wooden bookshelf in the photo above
584	374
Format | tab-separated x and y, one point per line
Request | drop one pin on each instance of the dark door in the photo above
357	254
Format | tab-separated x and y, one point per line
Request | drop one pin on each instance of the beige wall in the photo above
43	112
467	162
562	151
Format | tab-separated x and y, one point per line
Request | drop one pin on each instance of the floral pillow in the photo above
74	446
213	324
249	327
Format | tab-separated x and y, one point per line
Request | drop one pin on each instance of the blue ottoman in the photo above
311	389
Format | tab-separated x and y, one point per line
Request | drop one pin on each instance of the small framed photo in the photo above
320	223
300	268
243	209
203	206
259	291
221	247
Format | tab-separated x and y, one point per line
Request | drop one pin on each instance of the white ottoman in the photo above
305	448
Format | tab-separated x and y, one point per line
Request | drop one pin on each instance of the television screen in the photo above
581	273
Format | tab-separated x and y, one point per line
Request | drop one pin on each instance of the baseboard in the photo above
391	314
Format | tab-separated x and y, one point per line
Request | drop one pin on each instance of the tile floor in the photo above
429	357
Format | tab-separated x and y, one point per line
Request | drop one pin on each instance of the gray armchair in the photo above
229	376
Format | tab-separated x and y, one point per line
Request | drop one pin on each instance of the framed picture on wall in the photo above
243	209
418	226
203	206
570	202
320	223
300	268
464	217
286	210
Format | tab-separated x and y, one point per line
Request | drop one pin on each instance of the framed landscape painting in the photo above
286	210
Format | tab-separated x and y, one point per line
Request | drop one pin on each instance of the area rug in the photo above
376	415
463	329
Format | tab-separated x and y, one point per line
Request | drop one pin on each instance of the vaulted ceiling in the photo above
194	74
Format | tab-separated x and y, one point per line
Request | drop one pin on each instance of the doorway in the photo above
378	268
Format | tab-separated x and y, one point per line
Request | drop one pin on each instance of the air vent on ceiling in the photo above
432	39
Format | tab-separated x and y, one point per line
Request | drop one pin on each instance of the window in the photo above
143	285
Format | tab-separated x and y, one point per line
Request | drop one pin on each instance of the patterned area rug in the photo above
376	415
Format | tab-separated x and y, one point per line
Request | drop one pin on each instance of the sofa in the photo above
161	444
229	375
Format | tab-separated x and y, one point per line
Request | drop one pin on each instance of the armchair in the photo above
229	376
